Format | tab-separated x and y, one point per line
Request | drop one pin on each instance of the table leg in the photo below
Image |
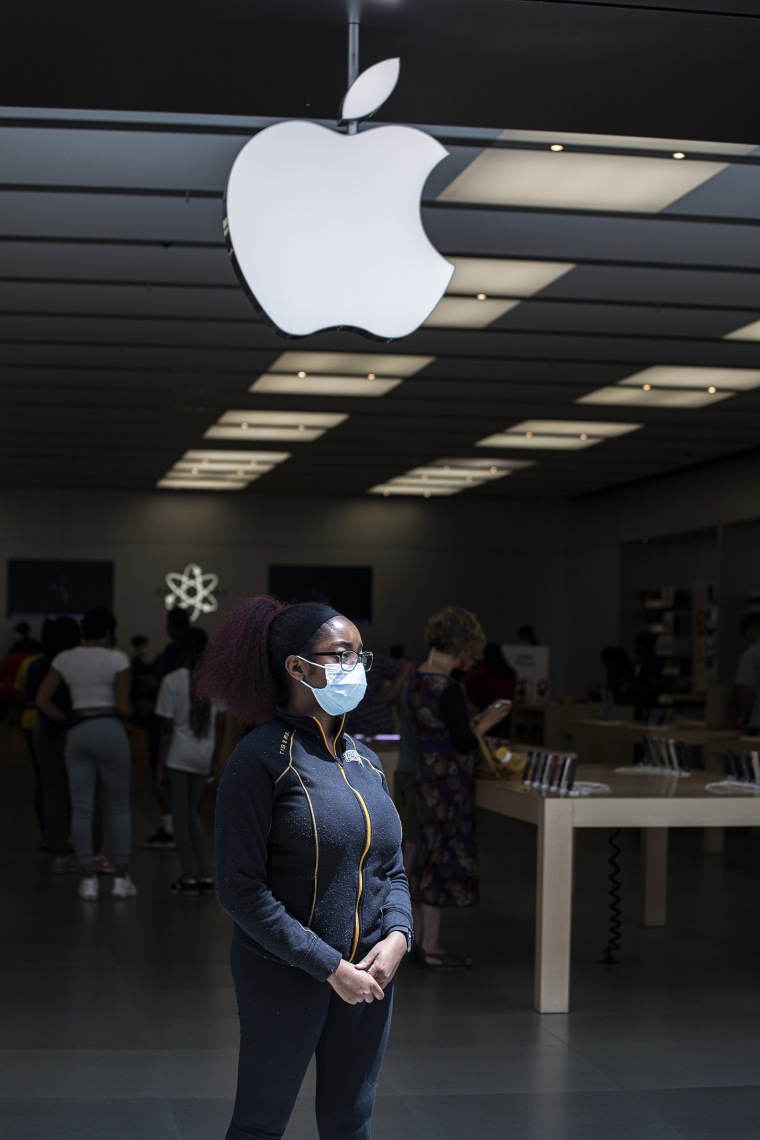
713	840
554	907
655	875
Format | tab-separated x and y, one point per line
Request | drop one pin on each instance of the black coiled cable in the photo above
613	946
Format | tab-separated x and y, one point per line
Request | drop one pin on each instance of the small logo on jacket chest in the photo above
351	755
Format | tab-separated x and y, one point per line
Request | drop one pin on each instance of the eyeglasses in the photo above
348	659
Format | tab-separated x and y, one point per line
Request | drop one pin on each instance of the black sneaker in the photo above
206	886
185	887
161	840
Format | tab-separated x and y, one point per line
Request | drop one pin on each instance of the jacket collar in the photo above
309	726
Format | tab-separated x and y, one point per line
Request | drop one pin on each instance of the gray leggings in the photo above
99	747
185	792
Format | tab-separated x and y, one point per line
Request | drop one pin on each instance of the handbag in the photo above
502	763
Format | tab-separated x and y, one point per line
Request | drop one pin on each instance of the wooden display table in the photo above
653	803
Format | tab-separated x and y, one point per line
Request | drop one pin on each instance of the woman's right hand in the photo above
490	716
354	986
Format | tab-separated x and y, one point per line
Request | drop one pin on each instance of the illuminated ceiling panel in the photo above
570	180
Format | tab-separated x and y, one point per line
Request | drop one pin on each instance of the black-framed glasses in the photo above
349	659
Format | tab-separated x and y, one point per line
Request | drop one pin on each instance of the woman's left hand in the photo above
384	958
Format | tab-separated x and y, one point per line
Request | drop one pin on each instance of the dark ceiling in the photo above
124	333
680	68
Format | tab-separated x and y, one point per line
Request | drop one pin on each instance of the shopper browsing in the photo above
190	742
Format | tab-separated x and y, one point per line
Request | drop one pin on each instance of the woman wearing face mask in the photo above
309	867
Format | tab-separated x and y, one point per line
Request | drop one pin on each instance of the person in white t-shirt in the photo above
190	742
97	745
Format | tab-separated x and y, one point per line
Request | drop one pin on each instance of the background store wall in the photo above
506	562
556	565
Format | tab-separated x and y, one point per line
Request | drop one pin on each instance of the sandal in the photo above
444	961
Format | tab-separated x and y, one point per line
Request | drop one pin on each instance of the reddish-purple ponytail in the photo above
235	669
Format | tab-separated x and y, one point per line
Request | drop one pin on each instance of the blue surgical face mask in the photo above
343	690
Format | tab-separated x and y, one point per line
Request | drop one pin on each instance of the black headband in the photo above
315	614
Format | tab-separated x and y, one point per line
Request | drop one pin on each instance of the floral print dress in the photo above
445	870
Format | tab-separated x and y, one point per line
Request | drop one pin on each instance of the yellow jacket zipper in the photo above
360	888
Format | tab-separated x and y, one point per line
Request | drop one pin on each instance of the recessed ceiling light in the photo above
302	375
537	442
594	429
627	142
686	376
235	458
503	277
556	147
622	397
746	332
678	154
175	483
468	312
646	387
350	363
303	426
502	177
559	435
281	385
417	489
712	390
220	469
448	478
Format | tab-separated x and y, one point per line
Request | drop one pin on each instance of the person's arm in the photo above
121	684
44	700
243	819
457	719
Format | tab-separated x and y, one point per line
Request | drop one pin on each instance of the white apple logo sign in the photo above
324	228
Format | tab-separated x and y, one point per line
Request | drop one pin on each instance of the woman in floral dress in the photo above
445	868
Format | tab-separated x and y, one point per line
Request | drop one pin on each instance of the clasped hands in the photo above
365	981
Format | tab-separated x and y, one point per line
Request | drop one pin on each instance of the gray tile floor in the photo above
118	1020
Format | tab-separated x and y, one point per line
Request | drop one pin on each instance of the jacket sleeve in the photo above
457	719
397	909
243	818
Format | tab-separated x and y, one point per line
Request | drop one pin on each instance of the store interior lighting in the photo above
449	477
294	427
573	180
557	435
220	470
647	396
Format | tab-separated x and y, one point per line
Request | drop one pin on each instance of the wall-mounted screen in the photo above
345	588
46	587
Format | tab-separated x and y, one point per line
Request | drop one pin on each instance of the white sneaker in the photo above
88	889
123	888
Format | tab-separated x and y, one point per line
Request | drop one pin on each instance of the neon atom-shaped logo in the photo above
192	590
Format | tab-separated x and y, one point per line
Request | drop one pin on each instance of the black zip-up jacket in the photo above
308	846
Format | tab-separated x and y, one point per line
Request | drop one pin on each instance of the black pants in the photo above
285	1018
